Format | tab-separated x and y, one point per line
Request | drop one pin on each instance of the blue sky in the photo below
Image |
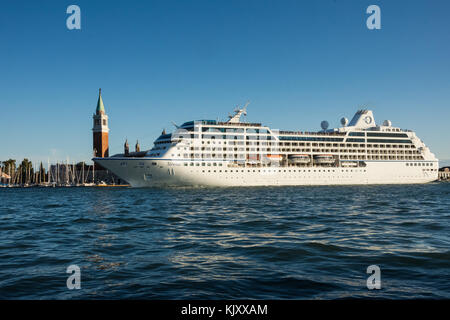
298	62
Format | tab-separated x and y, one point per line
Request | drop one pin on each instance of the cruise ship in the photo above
238	153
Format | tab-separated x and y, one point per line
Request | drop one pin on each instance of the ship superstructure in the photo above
237	153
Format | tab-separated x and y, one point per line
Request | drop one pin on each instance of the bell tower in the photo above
100	130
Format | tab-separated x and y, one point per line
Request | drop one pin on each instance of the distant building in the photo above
4	178
444	173
126	149
137	147
100	129
100	146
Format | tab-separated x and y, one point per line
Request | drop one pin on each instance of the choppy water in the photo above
226	243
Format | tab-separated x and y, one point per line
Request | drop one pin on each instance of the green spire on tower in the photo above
100	106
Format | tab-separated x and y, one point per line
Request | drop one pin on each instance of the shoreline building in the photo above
100	130
100	143
444	173
4	178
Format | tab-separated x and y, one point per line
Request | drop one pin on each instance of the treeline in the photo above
23	173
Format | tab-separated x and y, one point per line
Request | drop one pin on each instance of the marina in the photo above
27	175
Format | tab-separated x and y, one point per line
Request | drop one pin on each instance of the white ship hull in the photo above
147	172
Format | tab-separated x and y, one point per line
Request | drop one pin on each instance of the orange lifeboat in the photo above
274	157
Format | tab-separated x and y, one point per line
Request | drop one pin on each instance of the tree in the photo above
9	167
26	171
41	173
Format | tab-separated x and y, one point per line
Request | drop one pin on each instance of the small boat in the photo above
88	184
274	157
324	158
299	158
349	164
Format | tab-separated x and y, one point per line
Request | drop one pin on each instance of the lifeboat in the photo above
349	163
274	157
323	158
253	158
299	158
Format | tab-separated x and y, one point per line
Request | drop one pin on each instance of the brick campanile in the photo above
100	130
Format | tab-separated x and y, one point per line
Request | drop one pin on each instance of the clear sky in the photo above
298	62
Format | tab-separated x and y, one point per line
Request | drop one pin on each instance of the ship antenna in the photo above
238	113
244	109
245	106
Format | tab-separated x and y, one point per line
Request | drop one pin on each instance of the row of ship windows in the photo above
393	152
242	153
346	145
290	138
401	141
219	164
269	139
234	130
378	134
258	137
361	146
342	157
372	143
277	150
215	164
266	131
379	140
280	170
418	164
385	157
297	150
289	144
